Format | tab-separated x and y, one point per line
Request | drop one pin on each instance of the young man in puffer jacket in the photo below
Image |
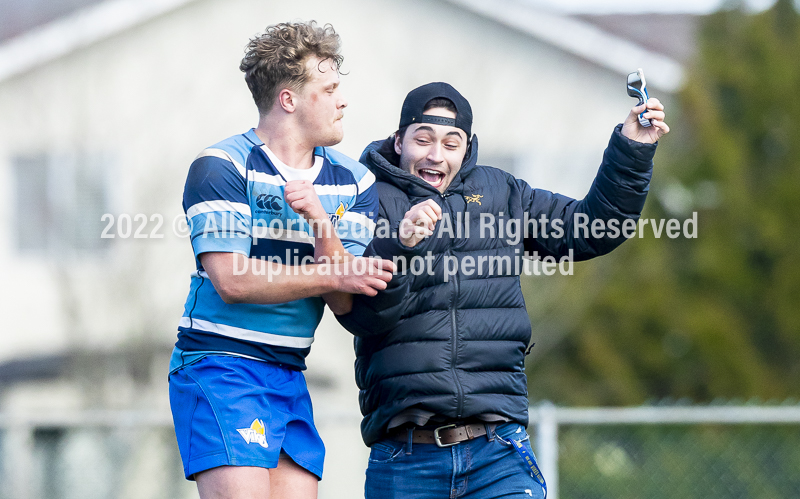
440	353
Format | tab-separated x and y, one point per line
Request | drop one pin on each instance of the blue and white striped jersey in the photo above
234	202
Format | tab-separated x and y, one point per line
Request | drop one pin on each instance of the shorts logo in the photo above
254	434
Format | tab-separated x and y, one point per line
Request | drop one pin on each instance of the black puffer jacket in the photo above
456	346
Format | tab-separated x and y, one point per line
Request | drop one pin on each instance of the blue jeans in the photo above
476	469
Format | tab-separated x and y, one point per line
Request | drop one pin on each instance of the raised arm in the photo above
617	194
302	198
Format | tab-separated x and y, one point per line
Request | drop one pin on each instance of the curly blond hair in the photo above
277	58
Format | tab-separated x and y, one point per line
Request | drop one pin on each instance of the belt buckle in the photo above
438	439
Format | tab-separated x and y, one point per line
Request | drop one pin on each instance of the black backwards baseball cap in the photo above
415	102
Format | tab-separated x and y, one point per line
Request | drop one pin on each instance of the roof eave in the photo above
75	31
581	39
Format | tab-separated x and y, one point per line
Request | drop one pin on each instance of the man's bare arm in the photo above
302	198
239	279
328	246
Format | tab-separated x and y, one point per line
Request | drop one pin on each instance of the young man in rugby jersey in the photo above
259	204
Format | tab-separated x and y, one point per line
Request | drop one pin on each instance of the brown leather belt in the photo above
444	436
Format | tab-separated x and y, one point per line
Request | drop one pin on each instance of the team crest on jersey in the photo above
335	217
254	434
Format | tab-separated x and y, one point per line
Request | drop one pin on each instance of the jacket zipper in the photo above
454	332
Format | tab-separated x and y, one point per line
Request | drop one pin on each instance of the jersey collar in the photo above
252	137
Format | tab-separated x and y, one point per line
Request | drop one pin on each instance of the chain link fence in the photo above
669	452
645	452
679	461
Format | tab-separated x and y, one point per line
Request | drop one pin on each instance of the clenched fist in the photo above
419	222
301	197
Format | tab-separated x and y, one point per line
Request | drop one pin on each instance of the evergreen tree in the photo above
719	315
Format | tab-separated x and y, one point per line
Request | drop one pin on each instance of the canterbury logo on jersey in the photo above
270	203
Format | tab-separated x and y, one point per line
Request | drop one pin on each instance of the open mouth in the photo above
432	177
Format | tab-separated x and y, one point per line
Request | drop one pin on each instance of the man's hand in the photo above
647	135
301	197
363	276
419	222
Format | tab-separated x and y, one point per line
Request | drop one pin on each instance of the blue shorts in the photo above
233	411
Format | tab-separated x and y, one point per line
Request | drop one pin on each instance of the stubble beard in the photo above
332	136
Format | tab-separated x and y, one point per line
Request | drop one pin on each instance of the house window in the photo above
59	202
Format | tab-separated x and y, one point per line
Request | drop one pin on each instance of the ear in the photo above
398	144
287	100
